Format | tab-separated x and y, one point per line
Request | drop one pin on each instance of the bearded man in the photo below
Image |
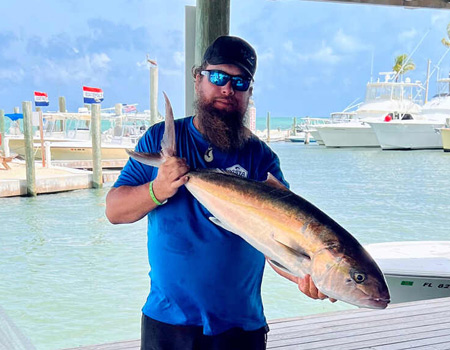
205	281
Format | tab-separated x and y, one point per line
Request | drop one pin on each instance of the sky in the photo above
314	58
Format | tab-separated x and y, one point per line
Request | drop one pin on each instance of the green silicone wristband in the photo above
150	189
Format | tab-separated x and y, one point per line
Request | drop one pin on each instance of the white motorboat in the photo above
69	135
414	270
382	98
445	135
421	131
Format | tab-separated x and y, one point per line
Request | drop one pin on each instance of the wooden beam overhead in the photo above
436	4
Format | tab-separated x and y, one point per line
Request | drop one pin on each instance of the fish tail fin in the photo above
168	140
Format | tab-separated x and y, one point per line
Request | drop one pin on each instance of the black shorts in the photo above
157	335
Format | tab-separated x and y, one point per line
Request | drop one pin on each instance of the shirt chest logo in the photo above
238	170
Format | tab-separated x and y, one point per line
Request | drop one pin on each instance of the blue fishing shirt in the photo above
200	273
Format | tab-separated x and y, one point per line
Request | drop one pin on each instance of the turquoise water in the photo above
282	123
68	277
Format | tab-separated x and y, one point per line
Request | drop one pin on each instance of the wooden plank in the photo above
363	340
391	313
421	325
350	330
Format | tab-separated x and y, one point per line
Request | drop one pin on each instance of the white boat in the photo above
445	135
421	131
69	136
416	270
382	98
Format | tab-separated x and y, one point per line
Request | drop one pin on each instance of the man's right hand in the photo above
126	204
171	176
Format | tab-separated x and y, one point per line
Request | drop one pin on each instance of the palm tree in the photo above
445	41
402	65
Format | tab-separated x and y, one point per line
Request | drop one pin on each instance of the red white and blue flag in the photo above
129	108
92	95
40	99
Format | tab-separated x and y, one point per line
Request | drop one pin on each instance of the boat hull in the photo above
416	270
357	135
445	136
408	135
404	288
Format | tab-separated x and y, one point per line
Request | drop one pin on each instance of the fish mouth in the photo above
377	303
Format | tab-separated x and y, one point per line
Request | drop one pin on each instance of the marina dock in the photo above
421	325
48	180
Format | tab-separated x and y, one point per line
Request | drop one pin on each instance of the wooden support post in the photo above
97	176
118	109
29	151
2	131
62	104
268	126
153	95
212	20
189	58
294	126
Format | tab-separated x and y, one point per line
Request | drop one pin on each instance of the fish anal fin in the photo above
274	182
279	266
219	223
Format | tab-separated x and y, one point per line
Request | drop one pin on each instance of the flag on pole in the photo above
40	99
128	109
92	95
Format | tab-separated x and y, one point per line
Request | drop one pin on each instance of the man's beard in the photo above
222	129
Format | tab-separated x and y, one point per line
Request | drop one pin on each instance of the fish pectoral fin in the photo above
219	223
274	182
292	246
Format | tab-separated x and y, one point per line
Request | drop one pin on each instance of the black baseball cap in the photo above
232	50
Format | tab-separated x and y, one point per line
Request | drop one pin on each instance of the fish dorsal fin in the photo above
220	223
274	182
168	141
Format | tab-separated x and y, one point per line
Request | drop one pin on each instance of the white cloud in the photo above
289	46
266	56
14	76
178	57
347	43
325	54
408	34
69	71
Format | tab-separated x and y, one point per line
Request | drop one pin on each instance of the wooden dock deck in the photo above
421	325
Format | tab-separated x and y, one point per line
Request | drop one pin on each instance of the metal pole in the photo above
268	126
97	176
427	82
29	151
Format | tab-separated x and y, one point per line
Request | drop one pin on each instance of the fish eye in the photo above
358	277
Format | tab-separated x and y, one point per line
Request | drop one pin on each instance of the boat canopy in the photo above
14	116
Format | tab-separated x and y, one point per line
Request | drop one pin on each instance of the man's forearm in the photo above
126	204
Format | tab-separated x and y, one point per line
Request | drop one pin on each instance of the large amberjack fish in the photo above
292	233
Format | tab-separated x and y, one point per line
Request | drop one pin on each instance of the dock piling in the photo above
29	151
97	177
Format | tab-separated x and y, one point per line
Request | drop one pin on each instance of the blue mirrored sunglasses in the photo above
220	78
